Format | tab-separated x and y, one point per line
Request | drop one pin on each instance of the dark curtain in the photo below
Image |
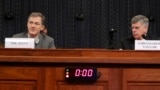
80	23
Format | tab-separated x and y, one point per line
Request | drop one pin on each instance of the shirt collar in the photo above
36	39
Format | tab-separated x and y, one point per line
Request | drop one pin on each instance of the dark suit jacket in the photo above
128	43
45	41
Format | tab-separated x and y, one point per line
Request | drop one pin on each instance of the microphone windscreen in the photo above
144	36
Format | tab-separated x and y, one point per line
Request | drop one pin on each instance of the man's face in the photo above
138	29
34	26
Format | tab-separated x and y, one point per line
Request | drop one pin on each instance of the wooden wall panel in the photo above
17	85
19	73
143	86
142	74
141	79
20	78
50	78
95	86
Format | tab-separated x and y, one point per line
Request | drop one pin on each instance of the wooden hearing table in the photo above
43	69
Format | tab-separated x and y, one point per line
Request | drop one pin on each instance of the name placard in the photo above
19	43
147	44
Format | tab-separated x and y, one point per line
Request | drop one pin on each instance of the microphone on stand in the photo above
111	33
36	41
144	36
111	36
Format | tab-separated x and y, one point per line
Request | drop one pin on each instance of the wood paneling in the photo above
19	72
141	79
40	69
17	85
96	86
20	78
143	86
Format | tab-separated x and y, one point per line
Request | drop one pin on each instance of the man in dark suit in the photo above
139	29
35	25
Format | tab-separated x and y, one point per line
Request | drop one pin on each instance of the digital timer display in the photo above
81	74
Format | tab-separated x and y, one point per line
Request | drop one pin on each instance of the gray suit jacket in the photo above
45	41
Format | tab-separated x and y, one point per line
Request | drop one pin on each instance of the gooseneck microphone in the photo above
111	38
144	36
36	41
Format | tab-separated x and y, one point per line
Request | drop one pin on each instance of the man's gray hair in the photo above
140	18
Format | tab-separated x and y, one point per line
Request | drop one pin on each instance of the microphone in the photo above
111	38
144	36
111	33
112	30
36	41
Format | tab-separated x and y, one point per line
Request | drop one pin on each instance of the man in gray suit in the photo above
35	26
